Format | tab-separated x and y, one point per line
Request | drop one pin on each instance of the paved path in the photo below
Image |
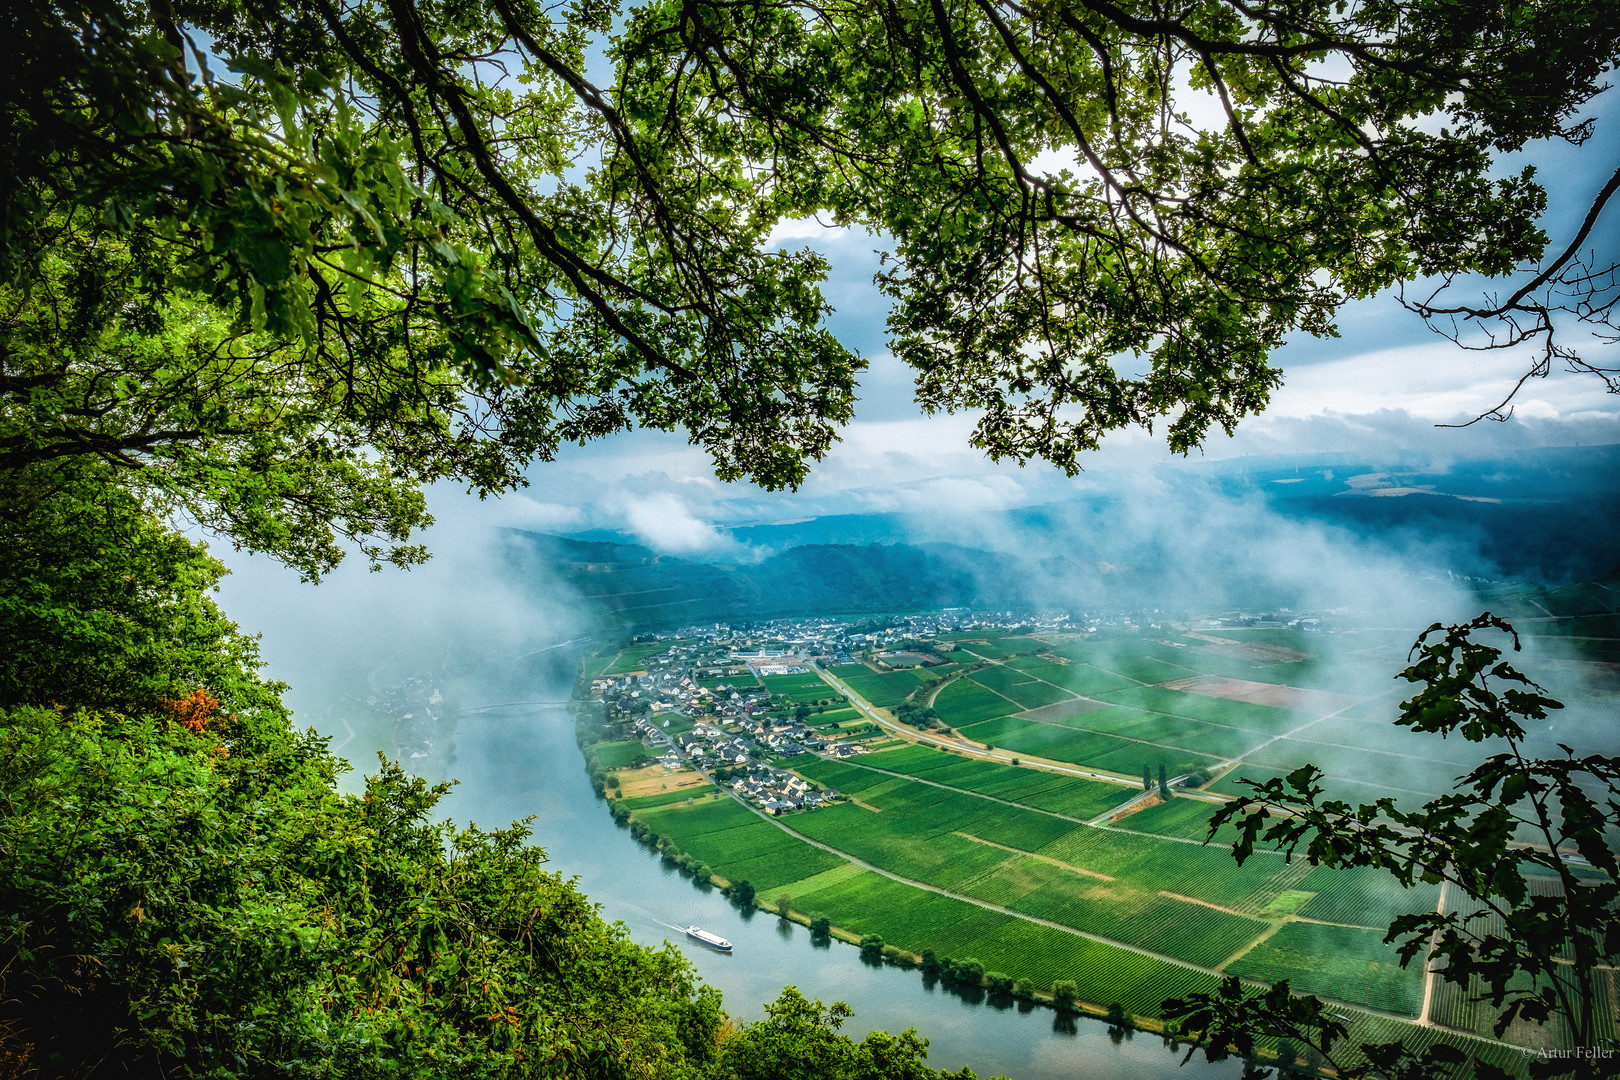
962	745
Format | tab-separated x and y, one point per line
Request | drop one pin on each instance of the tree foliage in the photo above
371	256
104	606
185	892
1525	841
205	903
1054	209
799	1040
272	271
279	271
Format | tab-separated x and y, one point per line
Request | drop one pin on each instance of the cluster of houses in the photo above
709	746
729	724
782	646
630	696
777	791
424	727
1271	620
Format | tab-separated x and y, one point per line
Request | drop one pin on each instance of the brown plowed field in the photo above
1315	702
1254	651
1060	711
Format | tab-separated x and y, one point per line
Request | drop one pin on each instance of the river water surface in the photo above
517	764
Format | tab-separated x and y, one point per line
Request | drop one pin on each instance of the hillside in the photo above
626	586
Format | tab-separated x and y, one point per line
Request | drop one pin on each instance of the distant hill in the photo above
1546	516
627	586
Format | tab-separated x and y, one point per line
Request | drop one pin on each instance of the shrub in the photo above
1064	993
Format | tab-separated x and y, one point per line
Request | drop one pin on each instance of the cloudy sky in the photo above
1380	387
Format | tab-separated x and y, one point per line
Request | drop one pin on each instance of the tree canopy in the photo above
272	268
284	265
185	892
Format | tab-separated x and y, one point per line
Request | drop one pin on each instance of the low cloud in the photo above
665	523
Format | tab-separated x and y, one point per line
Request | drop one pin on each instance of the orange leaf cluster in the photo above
198	711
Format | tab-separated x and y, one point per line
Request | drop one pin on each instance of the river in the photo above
521	764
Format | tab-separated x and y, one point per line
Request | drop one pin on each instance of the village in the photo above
697	697
699	702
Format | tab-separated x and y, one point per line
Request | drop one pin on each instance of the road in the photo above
972	749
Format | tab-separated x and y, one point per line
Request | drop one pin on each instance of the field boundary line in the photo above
1340	925
962	791
1371	750
996	663
1038	858
1210	904
987	905
973	752
965	747
1428	954
1264	934
1098	938
1095	823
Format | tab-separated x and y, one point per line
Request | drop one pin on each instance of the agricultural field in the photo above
714	682
631	657
1214	710
616	755
1065	796
867	903
1080	746
997	648
806	687
737	843
1021	687
1186	818
832	716
1079	678
997	862
1341	963
886	690
666	798
1363	896
964	702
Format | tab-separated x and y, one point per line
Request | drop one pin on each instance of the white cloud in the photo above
519	511
788	230
663	522
1435	380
